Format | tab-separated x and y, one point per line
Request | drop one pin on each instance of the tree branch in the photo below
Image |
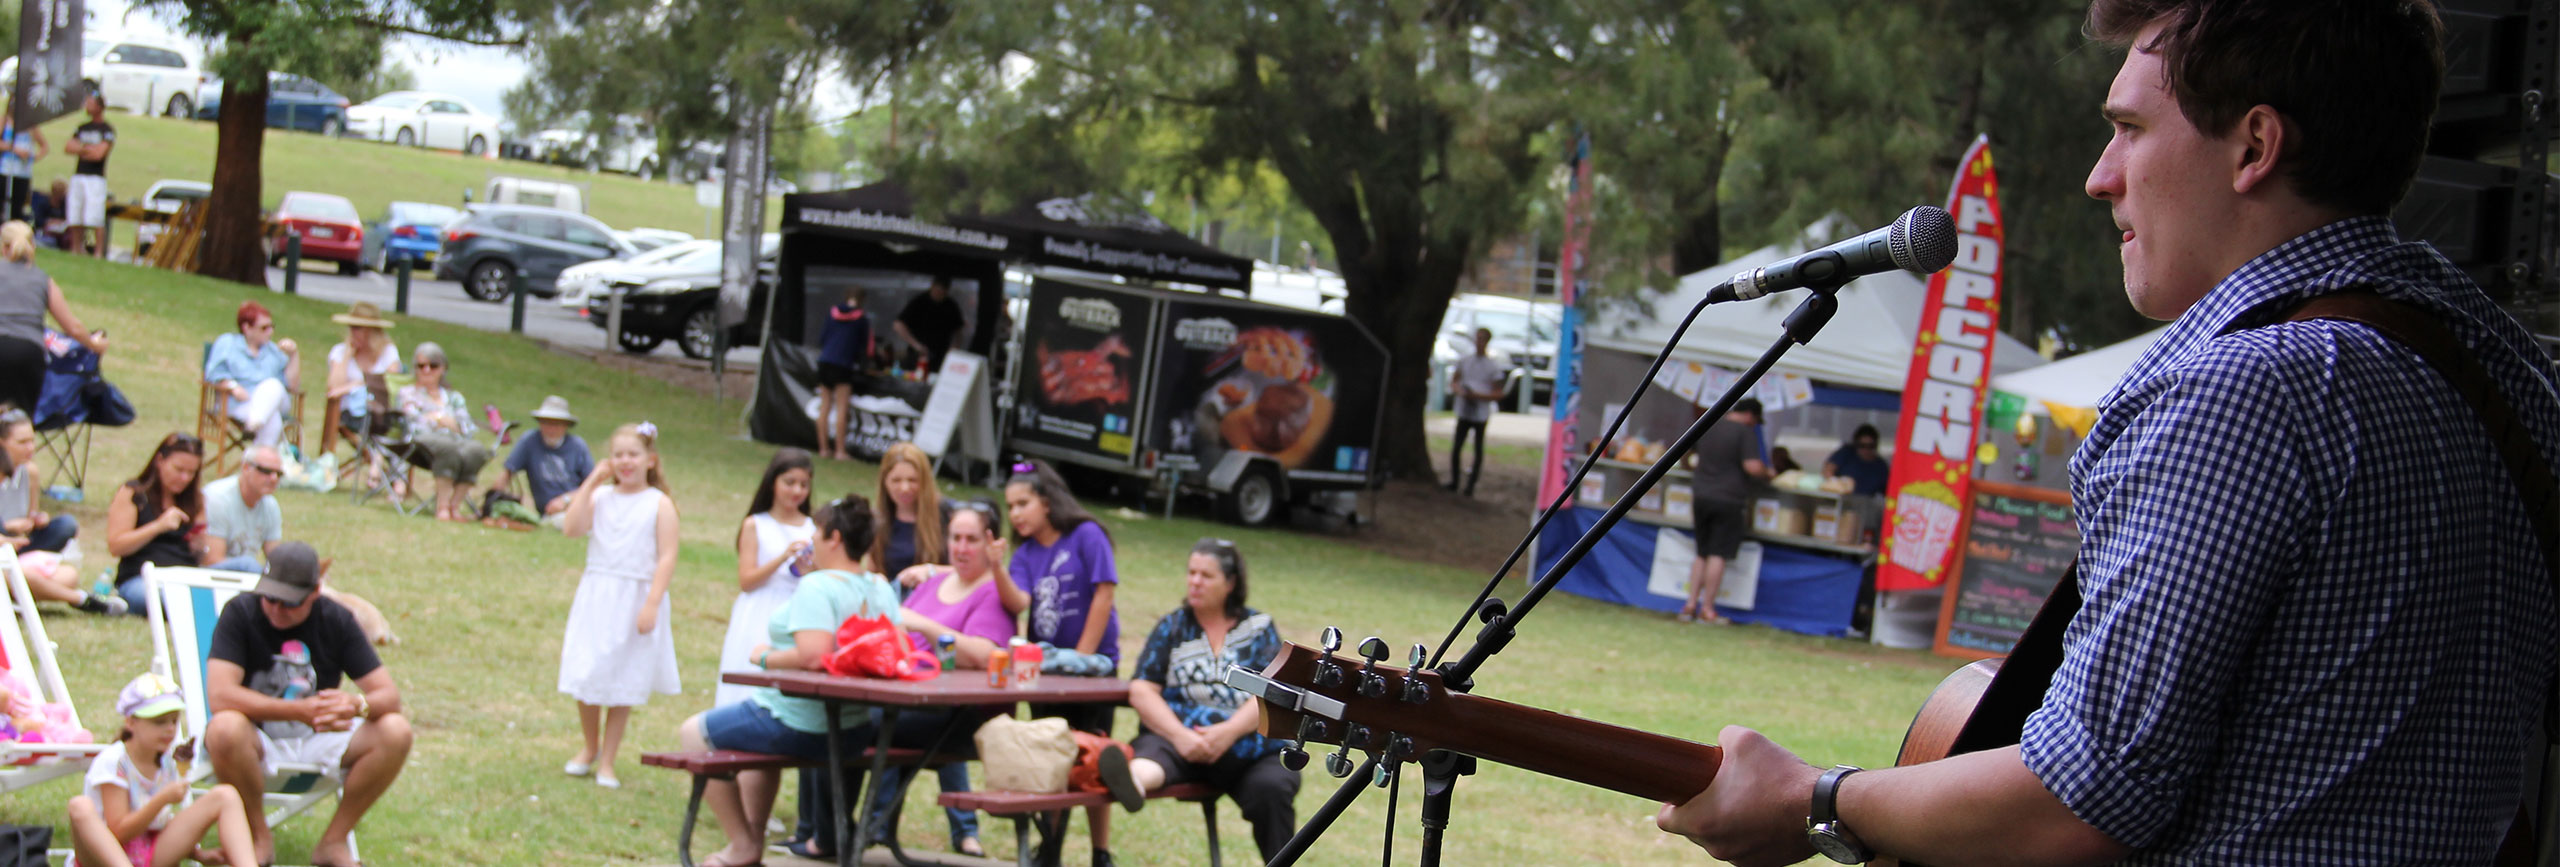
397	27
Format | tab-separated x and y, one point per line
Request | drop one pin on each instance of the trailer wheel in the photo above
1255	499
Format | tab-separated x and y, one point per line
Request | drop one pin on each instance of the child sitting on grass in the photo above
135	784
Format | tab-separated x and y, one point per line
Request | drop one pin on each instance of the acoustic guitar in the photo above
1400	713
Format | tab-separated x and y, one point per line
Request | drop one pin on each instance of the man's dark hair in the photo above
2357	80
1750	405
1866	432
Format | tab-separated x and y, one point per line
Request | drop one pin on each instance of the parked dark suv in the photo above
684	308
494	243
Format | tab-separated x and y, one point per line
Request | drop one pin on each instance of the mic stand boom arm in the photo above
1801	326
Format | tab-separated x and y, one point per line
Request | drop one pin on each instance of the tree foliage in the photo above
1408	130
325	39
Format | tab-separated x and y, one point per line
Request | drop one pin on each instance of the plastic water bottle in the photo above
64	493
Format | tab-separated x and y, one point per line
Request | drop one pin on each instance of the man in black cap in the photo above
280	654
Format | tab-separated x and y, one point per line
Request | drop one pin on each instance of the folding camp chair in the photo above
23	639
224	437
75	399
185	603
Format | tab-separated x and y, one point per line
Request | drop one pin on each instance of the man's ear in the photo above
2259	139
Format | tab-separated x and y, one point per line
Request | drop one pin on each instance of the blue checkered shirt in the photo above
2317	629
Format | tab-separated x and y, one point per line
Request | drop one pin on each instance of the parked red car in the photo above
329	227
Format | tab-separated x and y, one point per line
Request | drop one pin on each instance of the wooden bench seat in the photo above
708	765
1024	807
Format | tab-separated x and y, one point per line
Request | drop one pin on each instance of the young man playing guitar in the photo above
2318	626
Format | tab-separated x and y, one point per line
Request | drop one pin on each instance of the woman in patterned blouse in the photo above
1198	727
439	421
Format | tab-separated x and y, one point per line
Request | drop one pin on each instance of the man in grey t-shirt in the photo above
1476	384
1729	472
241	516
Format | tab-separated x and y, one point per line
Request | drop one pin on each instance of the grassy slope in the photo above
481	611
370	174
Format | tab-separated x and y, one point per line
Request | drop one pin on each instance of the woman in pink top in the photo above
973	601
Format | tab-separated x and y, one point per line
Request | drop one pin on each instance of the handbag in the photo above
870	647
1026	755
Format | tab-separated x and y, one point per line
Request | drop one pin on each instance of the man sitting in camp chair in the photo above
279	654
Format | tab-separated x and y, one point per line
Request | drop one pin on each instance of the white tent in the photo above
1866	344
2079	380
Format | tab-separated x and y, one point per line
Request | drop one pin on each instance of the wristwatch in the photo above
1830	837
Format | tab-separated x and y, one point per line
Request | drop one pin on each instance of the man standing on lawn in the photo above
86	213
2316	626
1728	476
1476	385
280	654
241	516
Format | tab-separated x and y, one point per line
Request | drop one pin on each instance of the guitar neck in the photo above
1620	759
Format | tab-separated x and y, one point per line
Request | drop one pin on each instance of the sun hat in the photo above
150	695
555	408
363	314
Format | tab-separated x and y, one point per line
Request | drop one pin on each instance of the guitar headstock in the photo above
1314	696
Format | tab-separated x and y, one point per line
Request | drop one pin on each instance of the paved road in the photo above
444	301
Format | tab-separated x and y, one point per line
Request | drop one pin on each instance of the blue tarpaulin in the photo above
1798	591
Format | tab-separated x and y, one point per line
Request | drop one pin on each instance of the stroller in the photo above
74	400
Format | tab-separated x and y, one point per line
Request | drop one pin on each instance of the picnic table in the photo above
951	689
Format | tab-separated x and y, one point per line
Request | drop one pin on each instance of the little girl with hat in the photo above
134	786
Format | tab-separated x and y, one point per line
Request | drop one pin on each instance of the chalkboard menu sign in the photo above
2017	542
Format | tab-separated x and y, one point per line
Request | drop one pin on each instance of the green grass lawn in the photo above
481	612
370	174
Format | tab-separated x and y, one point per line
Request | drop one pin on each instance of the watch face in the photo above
1833	846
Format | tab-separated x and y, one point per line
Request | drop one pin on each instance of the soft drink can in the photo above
1000	669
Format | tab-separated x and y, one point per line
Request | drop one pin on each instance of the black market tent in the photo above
875	229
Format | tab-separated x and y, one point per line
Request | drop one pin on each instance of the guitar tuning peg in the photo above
1312	729
1293	757
1386	774
1332	640
1356	736
1373	649
1413	661
1372	684
1338	763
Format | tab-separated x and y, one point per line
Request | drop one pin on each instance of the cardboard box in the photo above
1793	522
1676	503
1764	515
1826	521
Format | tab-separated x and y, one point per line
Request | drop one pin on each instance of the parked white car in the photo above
422	119
139	76
683	257
645	240
630	148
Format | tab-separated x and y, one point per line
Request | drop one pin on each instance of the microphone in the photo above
1920	241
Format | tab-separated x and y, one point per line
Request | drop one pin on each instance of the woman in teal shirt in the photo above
804	635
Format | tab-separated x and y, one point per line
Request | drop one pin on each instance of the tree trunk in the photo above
234	246
1402	304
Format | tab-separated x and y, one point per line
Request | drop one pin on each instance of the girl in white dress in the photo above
135	785
619	648
773	551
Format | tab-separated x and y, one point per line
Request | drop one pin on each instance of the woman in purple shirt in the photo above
1066	563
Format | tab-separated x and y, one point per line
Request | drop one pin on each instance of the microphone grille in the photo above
1923	240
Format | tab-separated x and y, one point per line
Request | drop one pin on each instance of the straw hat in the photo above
363	314
555	408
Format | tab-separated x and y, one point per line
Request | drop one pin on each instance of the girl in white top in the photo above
135	783
773	551
619	646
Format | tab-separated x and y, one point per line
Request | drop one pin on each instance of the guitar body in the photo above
1941	721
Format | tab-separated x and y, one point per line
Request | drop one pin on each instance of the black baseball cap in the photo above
293	572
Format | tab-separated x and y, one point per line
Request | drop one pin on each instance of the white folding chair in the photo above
185	603
29	651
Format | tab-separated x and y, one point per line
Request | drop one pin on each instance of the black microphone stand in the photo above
1441	769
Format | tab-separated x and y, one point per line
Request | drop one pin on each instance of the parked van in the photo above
540	194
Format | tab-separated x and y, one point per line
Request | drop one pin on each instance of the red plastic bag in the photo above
869	647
